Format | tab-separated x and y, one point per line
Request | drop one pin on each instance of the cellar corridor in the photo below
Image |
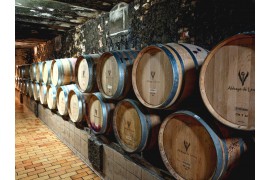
40	154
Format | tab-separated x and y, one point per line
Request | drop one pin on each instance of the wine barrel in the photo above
62	98
20	85
100	113
17	71
27	87
135	129
33	71
77	105
85	72
39	71
23	87
36	91
164	75
62	71
191	149
227	82
31	89
46	71
43	93
51	96
114	73
16	83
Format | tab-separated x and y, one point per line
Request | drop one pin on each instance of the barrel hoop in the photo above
175	76
192	55
91	74
120	88
60	72
80	100
65	90
103	106
134	53
71	69
128	56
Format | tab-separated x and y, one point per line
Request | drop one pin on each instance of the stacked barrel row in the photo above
140	97
22	78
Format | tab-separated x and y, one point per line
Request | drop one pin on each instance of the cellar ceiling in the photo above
37	21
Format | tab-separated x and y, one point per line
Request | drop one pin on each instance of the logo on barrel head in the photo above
243	76
186	144
153	73
109	72
95	112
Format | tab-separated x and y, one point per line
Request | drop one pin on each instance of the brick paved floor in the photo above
40	154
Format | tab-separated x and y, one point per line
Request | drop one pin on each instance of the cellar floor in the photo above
40	154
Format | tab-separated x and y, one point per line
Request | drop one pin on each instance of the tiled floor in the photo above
40	154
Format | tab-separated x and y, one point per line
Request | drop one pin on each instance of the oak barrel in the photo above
36	91
17	71
227	82
100	113
46	71
31	89
164	75
62	98
43	93
77	105
39	72
63	71
51	96
114	73
85	72
27	87
191	149
23	87
134	127
33	71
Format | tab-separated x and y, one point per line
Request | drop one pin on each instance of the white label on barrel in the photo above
109	87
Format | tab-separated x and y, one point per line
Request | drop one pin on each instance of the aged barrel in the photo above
85	72
33	71
114	73
62	98
17	83
51	96
39	72
43	93
191	149
227	82
62	71
77	105
100	113
164	75
31	89
17	71
36	91
134	127
46	71
27	87
23	87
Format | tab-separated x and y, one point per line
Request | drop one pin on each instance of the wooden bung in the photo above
191	149
46	72
63	71
36	91
62	98
51	96
227	82
99	114
165	75
85	72
77	105
114	73
43	93
134	127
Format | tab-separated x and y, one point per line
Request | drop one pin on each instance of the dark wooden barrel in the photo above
51	96
63	71
227	82
134	127
77	105
165	75
114	73
100	114
191	149
62	98
85	72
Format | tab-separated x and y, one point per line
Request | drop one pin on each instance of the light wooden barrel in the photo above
46	71
227	82
85	72
16	83
164	75
17	71
77	105
62	98
51	96
191	149
31	89
39	72
135	129
33	71
100	114
114	73
36	91
63	71
43	93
